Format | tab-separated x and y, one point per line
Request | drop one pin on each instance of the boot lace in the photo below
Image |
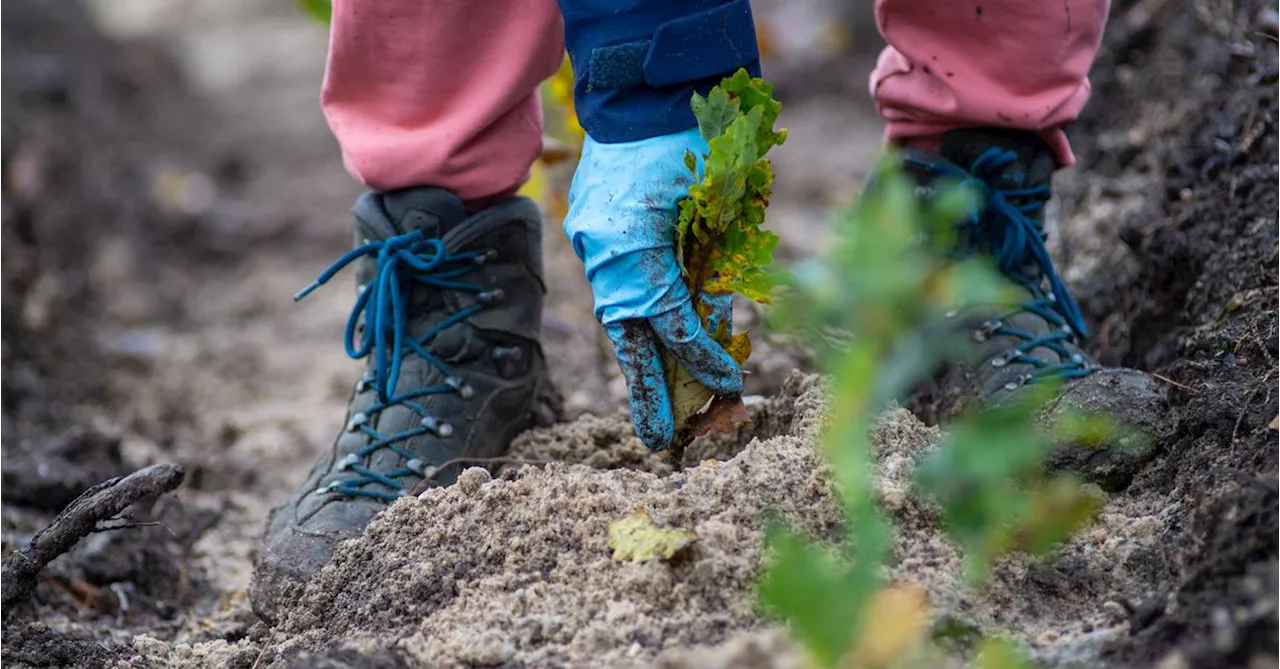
1002	222
403	262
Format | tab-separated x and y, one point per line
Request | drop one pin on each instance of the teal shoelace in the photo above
1002	222
404	262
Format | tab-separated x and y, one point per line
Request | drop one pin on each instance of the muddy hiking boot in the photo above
448	313
1040	339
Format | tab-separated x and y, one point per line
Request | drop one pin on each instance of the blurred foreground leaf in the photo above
897	624
810	588
877	308
320	10
988	478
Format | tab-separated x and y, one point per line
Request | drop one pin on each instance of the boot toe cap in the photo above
1137	406
294	551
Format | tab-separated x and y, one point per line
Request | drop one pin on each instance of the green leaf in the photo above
714	112
320	10
810	588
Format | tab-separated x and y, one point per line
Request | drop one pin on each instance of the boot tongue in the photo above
381	216
1034	166
434	211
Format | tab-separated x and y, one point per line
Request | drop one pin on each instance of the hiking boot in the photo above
1040	339
448	313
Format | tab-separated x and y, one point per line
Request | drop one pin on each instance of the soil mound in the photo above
515	570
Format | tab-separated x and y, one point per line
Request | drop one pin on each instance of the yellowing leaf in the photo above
688	396
738	347
636	538
895	621
997	653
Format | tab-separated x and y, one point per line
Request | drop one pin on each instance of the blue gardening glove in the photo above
622	213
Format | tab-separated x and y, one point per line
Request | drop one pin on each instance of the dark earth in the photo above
149	257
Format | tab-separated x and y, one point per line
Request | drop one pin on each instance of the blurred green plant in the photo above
320	10
874	309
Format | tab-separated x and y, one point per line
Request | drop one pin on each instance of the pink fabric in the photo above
1008	63
444	92
440	92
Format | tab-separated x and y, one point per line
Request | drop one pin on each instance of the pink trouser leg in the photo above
440	92
974	63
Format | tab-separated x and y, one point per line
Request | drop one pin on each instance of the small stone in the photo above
470	480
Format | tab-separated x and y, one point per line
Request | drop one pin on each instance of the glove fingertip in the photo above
636	348
655	429
727	382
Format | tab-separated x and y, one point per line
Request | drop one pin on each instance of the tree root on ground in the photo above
79	519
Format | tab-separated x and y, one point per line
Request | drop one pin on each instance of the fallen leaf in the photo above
636	538
1275	423
724	414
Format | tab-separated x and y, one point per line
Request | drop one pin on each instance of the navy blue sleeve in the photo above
637	63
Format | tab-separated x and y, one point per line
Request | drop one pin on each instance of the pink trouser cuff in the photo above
444	92
440	93
1003	63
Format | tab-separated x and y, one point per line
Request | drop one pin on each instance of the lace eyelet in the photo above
1005	358
347	462
461	387
987	329
357	421
495	296
437	427
1018	382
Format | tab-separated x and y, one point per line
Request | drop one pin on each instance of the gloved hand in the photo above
622	212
